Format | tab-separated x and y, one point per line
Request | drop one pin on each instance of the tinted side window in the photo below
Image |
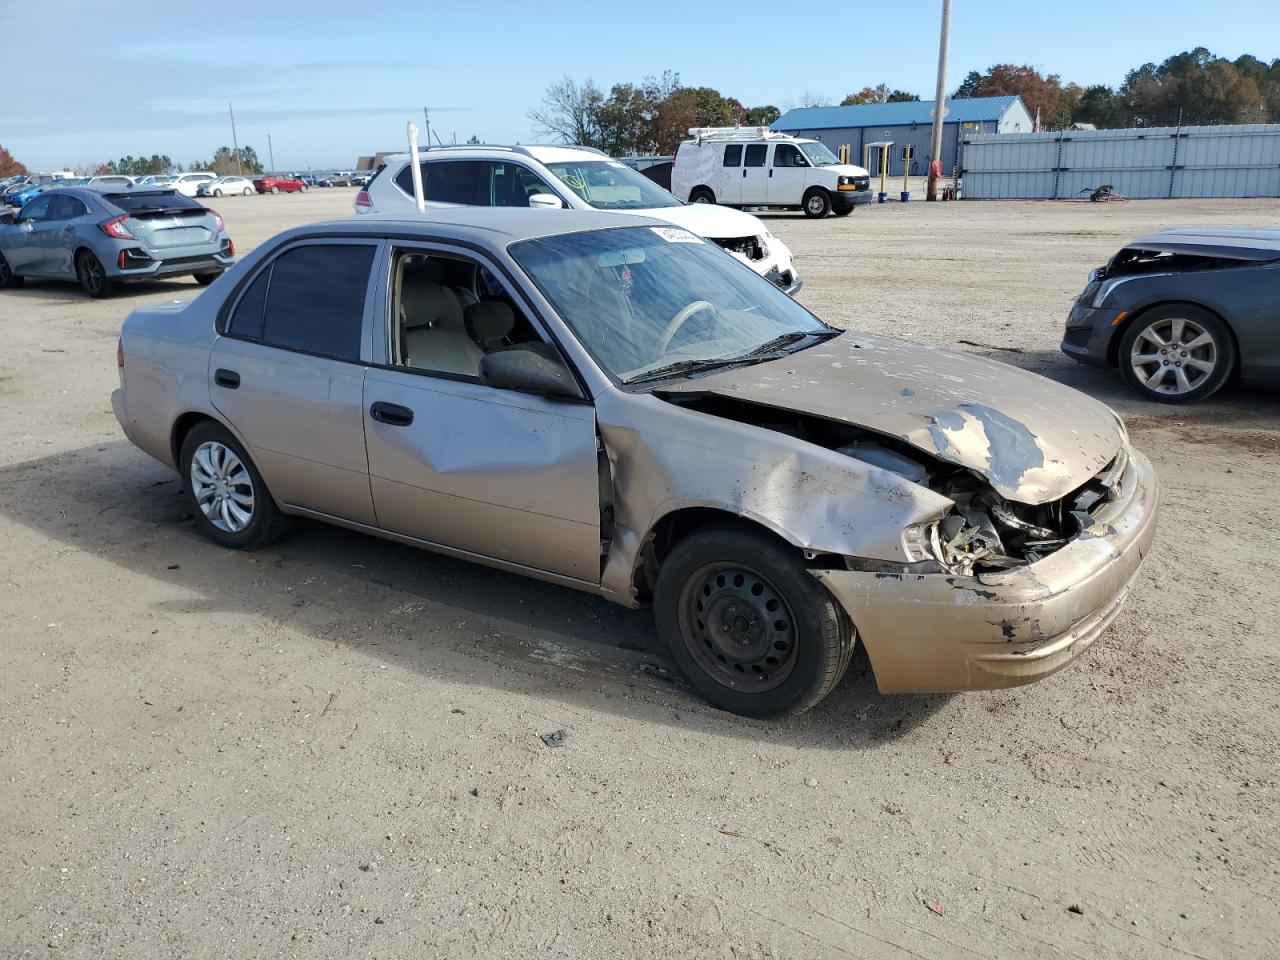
66	208
404	179
458	181
246	321
37	209
316	299
755	154
733	155
786	155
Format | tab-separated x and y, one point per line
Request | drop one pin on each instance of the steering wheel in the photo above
678	321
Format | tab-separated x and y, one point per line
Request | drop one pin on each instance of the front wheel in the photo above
275	189
817	204
749	627
225	490
217	193
303	188
93	276
248	191
1177	354
8	279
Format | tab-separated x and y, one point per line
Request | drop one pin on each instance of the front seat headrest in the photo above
489	322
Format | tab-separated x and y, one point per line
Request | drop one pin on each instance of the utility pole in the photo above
271	153
234	142
939	103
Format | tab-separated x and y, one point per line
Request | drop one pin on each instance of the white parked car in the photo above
156	180
227	186
113	181
188	183
754	167
572	178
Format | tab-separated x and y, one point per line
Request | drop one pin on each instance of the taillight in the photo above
362	200
119	351
217	217
115	228
231	247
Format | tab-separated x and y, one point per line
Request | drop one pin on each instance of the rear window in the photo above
148	201
315	301
755	154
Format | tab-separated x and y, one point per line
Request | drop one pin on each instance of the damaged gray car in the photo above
620	407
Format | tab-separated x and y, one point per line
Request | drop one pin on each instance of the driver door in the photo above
23	249
494	473
788	174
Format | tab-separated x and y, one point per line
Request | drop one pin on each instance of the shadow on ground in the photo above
410	606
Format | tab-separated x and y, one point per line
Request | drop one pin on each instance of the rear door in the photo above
68	215
755	175
288	374
788	174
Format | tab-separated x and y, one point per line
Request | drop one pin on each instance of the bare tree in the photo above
569	112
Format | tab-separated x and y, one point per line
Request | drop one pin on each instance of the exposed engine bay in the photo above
984	532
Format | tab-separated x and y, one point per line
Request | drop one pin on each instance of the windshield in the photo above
818	154
642	299
611	185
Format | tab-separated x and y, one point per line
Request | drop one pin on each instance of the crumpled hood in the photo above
709	220
1034	440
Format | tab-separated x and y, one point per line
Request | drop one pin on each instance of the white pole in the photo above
939	101
416	167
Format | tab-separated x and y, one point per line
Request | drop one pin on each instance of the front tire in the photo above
817	204
8	279
225	491
702	195
747	624
93	276
217	193
275	189
303	188
248	191
1177	353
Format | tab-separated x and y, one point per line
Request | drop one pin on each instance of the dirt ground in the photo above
331	748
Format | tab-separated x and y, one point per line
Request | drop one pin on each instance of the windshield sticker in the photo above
675	235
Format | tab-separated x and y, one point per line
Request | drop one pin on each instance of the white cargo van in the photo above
755	167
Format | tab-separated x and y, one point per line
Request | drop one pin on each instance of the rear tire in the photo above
204	279
817	204
701	195
93	276
747	624
8	279
216	470
275	189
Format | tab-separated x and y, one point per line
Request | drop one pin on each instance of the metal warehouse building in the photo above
906	123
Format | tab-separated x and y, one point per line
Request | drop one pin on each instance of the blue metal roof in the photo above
960	110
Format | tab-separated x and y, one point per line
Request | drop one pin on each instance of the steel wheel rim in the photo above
91	274
702	198
222	486
738	628
815	204
1173	356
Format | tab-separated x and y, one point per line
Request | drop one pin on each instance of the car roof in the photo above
544	153
1259	245
502	225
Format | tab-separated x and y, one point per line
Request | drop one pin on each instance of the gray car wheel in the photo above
227	494
93	275
1178	353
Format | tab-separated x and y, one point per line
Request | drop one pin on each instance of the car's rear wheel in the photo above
1177	353
817	204
702	195
750	628
92	275
204	279
275	189
226	492
8	279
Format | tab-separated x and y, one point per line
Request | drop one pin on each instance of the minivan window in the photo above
755	154
733	155
315	302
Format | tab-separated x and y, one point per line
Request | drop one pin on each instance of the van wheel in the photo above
747	624
817	203
702	195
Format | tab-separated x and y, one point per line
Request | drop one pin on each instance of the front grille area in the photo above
749	247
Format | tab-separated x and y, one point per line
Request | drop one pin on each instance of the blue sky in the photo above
91	80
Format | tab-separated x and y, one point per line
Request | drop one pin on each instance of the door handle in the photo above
226	378
771	172
391	413
744	172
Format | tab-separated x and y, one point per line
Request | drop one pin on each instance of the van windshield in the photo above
610	185
818	154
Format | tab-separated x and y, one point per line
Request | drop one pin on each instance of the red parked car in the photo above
279	183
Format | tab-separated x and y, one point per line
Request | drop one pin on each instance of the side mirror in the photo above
528	372
546	201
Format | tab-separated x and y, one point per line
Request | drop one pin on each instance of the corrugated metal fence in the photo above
1160	162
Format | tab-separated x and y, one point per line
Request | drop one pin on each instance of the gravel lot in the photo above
331	748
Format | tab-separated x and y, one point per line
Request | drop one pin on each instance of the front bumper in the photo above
848	199
776	266
939	633
1088	334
